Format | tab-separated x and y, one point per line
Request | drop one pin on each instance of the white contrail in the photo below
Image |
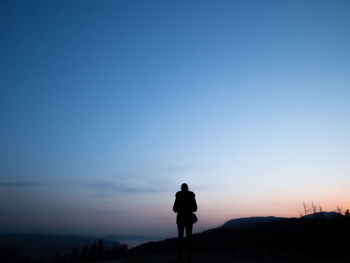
155	136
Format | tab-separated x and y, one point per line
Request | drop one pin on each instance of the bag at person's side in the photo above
194	218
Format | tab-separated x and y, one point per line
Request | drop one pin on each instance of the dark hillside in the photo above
311	237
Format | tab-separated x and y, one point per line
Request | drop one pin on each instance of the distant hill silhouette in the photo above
323	215
132	240
251	221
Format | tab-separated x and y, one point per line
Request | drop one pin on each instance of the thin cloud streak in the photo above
105	212
112	187
20	184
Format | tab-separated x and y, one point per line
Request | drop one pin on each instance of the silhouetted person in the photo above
185	204
347	213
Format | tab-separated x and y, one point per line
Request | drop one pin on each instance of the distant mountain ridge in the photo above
117	237
255	221
323	215
251	221
132	240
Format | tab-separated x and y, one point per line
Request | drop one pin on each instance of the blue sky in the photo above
107	107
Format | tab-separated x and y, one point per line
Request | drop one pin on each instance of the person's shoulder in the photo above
185	194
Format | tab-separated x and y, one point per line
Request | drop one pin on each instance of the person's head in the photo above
184	187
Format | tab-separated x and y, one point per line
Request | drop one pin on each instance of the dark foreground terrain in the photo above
225	259
321	238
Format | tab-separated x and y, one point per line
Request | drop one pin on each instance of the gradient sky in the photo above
108	106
